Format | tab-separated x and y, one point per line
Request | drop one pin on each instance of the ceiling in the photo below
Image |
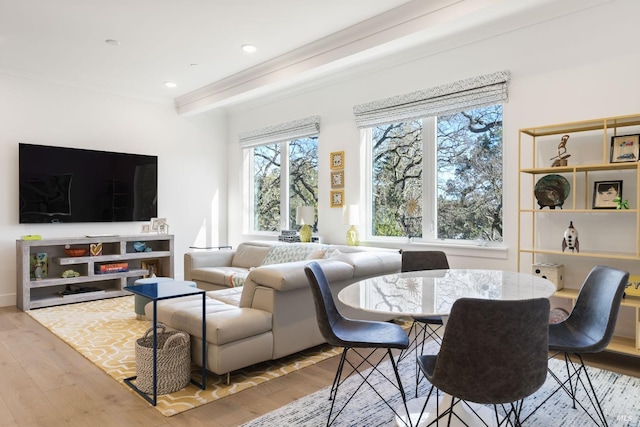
197	43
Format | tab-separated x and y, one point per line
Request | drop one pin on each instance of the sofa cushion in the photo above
225	276
290	252
229	296
225	323
248	255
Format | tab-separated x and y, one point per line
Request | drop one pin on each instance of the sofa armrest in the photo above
206	259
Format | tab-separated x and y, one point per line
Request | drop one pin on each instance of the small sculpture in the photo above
571	239
67	274
561	158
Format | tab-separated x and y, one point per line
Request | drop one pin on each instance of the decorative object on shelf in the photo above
571	239
351	217
605	194
622	204
305	216
39	265
159	225
75	252
70	273
552	272
337	159
95	249
144	228
153	268
633	287
552	190
624	148
337	198
337	179
139	246
561	158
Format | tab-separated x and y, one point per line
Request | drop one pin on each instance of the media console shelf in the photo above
49	289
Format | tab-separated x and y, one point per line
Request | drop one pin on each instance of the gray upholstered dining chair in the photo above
493	352
423	327
354	335
588	329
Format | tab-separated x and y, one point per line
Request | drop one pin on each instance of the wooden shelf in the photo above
590	141
44	292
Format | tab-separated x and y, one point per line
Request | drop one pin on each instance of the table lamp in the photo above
305	215
351	216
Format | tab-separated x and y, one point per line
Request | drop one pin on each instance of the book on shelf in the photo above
115	267
80	290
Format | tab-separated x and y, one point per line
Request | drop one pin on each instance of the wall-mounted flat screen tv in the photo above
70	185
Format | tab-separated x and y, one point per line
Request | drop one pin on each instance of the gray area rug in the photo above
619	394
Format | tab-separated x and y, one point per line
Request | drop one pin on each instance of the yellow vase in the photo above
353	238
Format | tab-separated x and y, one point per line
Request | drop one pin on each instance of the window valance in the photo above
288	131
451	98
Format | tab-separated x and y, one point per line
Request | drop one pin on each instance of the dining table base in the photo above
463	414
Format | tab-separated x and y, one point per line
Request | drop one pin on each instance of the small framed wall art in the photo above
337	179
605	193
337	159
624	148
337	198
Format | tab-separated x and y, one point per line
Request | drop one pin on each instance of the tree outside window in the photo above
285	176
454	192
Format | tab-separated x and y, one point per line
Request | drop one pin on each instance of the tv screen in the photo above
60	184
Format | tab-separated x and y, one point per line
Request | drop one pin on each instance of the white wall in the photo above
191	154
575	67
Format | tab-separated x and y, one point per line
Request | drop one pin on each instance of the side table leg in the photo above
204	342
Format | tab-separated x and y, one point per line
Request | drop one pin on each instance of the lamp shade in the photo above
305	215
351	214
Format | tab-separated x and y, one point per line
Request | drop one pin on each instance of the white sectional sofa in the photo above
272	315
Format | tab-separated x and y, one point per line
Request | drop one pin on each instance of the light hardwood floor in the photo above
44	382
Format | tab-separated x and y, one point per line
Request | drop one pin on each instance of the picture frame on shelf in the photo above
337	159
625	148
337	198
604	194
152	266
159	225
144	228
337	179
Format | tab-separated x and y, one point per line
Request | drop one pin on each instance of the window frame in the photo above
429	192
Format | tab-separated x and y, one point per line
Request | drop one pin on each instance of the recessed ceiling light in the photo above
112	42
170	84
249	48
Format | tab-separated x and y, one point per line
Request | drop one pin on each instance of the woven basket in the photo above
173	361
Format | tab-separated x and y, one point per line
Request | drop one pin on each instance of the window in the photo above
285	176
438	178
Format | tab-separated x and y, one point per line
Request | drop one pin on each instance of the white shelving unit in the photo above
606	236
35	292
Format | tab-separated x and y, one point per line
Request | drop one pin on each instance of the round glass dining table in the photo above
433	292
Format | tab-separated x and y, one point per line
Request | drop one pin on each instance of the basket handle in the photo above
179	336
158	326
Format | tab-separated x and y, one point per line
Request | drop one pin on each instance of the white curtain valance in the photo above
279	133
451	98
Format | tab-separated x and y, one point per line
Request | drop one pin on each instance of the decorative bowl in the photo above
76	251
552	190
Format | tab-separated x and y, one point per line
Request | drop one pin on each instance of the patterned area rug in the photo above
105	332
619	396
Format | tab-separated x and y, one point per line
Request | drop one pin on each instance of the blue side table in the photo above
141	301
159	291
